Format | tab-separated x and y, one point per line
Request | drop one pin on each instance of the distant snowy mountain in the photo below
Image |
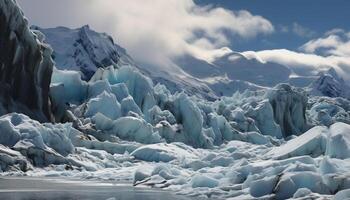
330	84
84	50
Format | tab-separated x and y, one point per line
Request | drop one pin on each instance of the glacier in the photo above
116	122
231	148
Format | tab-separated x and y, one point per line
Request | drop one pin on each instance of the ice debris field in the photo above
268	144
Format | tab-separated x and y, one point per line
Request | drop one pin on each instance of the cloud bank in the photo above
336	42
153	31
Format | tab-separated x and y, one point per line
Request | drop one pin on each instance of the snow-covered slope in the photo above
25	66
83	49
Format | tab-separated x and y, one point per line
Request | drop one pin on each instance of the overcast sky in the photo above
158	30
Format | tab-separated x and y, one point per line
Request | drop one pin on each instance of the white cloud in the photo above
153	31
336	42
303	63
302	31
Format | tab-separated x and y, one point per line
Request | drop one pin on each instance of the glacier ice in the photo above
106	104
312	142
338	143
289	106
228	148
162	152
203	181
41	143
26	66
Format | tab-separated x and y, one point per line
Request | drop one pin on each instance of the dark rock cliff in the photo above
25	66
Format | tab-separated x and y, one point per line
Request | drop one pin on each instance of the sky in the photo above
295	21
157	31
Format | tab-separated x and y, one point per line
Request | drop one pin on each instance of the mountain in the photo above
85	50
330	84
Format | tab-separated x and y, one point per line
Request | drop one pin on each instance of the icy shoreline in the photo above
44	188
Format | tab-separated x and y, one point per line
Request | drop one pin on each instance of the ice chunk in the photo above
203	181
127	128
120	91
106	104
264	118
156	115
289	107
302	192
163	152
289	183
10	159
342	195
313	142
128	104
98	87
338	143
261	187
141	175
187	112
41	143
67	86
221	127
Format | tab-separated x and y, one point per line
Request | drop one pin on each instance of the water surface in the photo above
27	188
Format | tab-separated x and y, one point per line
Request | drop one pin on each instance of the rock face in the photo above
25	66
289	107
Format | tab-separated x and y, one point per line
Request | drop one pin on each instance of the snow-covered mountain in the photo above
330	84
85	50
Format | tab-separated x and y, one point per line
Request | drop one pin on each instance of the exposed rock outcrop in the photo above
25	66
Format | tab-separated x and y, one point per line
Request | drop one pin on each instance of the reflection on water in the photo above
51	189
